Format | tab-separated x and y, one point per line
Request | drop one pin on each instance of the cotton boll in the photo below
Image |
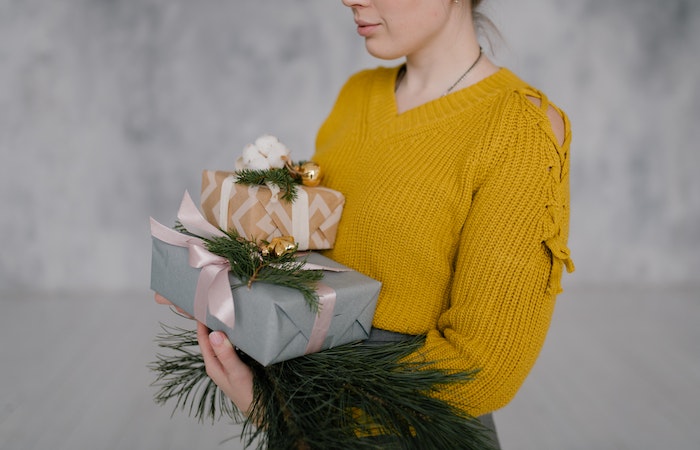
277	156
266	142
253	164
266	153
259	163
251	158
250	152
275	151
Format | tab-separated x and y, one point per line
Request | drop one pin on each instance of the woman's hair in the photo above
484	26
479	18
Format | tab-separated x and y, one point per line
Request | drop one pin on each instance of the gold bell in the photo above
280	246
310	174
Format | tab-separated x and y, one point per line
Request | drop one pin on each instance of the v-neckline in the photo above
383	107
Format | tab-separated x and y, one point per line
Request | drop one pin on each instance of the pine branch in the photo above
249	265
328	399
181	376
281	178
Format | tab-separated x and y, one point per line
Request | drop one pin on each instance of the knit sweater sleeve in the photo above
509	262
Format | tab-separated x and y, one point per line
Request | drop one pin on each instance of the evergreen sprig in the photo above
338	398
250	264
182	376
280	177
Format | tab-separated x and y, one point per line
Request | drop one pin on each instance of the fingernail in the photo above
216	337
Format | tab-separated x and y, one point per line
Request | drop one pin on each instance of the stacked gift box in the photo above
255	212
270	323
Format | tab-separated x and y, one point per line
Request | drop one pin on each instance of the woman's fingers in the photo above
164	301
219	356
214	368
226	354
225	368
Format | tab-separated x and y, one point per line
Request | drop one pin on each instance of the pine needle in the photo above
181	376
281	178
328	399
249	265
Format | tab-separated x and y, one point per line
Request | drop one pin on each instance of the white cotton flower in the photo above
240	165
277	156
250	152
265	142
275	151
252	159
266	153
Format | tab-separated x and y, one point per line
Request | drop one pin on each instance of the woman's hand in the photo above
164	301
224	367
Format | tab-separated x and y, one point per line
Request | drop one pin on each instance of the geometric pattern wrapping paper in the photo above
255	214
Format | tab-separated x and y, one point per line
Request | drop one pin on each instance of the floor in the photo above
620	370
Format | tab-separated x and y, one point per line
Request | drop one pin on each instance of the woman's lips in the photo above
365	28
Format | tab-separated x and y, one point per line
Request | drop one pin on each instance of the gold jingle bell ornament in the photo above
279	246
310	174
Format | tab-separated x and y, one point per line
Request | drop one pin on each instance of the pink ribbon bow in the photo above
213	291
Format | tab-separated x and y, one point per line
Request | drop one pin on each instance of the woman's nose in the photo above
355	3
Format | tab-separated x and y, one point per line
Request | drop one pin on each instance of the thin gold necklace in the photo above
402	74
481	52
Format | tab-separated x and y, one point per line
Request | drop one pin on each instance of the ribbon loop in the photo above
201	257
213	291
194	222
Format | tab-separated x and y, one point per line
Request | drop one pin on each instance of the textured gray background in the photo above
109	109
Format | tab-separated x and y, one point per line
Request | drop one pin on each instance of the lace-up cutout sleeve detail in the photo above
555	221
511	253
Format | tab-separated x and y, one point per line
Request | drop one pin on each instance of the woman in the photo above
455	174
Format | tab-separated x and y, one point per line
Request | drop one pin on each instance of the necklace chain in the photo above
402	73
481	52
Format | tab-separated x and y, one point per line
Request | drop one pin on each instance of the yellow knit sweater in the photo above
460	208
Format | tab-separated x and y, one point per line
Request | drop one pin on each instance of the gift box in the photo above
268	322
257	213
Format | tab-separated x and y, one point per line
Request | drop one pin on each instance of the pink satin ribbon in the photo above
213	292
326	302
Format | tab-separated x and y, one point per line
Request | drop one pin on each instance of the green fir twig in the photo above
249	264
331	399
181	375
282	178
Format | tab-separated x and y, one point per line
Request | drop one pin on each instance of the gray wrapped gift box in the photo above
272	323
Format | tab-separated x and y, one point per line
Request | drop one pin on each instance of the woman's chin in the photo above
381	52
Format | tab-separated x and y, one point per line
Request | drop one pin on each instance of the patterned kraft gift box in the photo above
268	322
255	214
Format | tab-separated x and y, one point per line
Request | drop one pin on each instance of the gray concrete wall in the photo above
109	109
